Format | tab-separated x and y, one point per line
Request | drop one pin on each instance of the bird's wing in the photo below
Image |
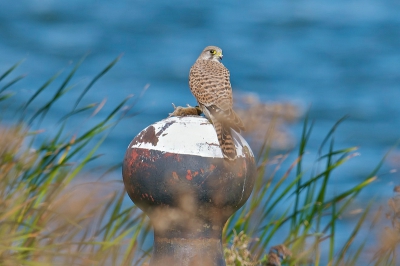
210	84
226	117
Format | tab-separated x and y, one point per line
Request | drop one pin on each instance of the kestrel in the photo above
210	84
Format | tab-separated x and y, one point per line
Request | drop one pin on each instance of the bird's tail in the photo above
225	140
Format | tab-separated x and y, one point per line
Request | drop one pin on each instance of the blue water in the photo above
336	58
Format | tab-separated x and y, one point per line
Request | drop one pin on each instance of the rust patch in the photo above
240	174
133	156
175	176
167	154
147	136
175	156
189	175
136	161
212	167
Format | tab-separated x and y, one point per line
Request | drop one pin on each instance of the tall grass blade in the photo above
104	71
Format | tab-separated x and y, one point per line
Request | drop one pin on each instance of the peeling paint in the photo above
146	136
164	127
189	175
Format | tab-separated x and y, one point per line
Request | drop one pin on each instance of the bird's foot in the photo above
185	111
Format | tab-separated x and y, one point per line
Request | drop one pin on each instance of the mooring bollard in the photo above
175	172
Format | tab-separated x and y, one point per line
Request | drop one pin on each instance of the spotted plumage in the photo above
210	84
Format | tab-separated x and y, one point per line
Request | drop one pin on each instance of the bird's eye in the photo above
213	51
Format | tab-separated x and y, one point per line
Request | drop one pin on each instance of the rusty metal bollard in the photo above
175	172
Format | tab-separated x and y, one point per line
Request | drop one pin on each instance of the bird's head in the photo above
213	53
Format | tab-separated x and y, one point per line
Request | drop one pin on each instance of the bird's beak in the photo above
220	55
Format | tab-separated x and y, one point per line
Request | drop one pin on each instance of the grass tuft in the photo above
47	217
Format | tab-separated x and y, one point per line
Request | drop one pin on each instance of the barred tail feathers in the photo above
225	140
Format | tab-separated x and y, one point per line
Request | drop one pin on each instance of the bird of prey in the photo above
210	84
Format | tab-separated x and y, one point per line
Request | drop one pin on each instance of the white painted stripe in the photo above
193	135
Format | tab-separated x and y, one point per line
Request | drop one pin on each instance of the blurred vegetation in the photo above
49	216
45	217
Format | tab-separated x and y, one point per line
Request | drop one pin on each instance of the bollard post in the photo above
175	172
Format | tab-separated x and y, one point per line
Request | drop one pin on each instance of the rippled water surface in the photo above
336	58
